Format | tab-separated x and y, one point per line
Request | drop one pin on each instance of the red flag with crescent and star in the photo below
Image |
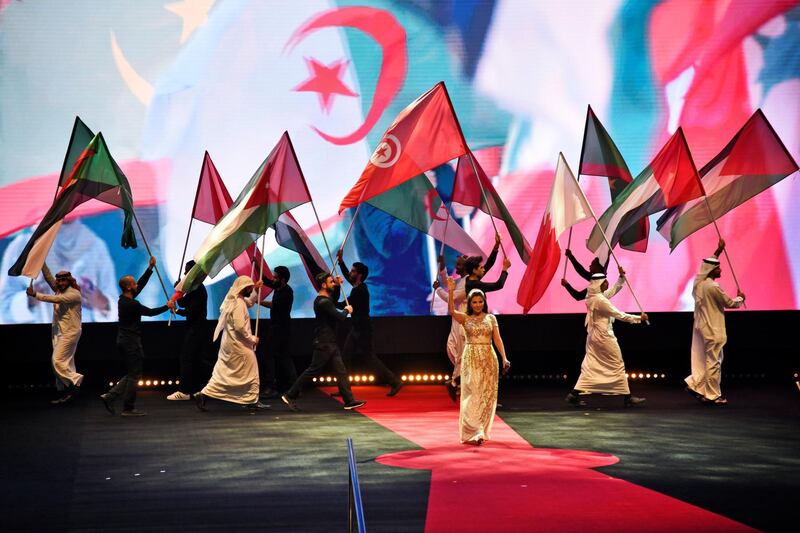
424	135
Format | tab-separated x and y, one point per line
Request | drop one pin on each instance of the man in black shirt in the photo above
324	345
274	353
359	340
594	268
475	271
129	341
195	339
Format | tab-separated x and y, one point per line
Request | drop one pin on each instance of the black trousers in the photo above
274	360
132	355
196	341
360	342
322	355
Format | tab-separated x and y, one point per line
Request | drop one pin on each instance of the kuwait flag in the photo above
417	203
211	202
567	207
94	175
754	160
670	180
276	187
291	236
424	135
601	157
476	190
79	139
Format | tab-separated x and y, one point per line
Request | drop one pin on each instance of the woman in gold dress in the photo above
479	369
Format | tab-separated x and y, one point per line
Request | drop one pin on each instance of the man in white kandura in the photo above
66	330
602	369
235	375
709	334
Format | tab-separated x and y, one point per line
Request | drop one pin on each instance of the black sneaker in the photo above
289	402
633	401
395	389
108	402
132	412
200	401
354	404
574	400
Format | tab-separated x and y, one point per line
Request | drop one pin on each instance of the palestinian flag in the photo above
754	160
291	236
417	203
473	188
95	175
276	187
670	180
601	157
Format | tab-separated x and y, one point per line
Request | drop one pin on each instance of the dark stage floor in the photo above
76	468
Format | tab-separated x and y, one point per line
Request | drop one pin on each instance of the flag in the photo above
95	175
79	139
212	200
567	207
601	157
670	180
424	135
417	203
276	187
754	160
476	190
291	236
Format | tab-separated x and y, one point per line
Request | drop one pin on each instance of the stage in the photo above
672	465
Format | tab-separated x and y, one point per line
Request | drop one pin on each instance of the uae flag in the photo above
473	188
601	157
754	160
212	200
276	187
290	235
417	203
424	135
94	175
670	180
567	207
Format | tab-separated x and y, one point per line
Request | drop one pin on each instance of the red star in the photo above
325	81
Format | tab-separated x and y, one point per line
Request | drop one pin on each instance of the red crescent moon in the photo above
384	30
429	196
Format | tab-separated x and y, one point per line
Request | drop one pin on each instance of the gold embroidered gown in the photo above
479	374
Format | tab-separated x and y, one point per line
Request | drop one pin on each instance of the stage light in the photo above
162	382
419	377
663	376
446	376
141	383
177	382
648	376
425	377
641	375
314	380
329	379
363	378
147	382
169	382
438	377
357	378
110	383
372	378
403	378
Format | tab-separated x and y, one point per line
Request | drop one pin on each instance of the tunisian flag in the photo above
567	207
424	135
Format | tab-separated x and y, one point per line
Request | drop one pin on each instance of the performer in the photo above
280	371
359	339
479	372
709	334
195	339
455	340
325	349
602	369
235	375
129	341
475	271
594	268
66	330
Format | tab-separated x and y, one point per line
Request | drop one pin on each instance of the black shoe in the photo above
574	400
633	401
395	389
59	401
200	401
354	404
253	407
289	402
132	412
108	402
451	390
269	394
696	395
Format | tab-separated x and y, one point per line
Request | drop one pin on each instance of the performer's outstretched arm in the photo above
576	294
582	272
458	316
48	277
487	266
145	277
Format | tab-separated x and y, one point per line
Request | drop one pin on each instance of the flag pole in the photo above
441	248
194	208
260	277
486	201
577	180
724	250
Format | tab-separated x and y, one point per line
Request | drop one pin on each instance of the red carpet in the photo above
508	485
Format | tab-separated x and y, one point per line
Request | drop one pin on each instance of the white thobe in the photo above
455	341
602	369
65	332
708	337
235	375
